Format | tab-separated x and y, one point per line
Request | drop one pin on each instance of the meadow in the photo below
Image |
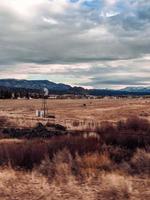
69	111
112	164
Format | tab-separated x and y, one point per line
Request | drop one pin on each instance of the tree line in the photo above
18	93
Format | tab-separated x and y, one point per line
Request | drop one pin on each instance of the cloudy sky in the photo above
92	43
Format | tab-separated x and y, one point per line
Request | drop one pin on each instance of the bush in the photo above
131	134
137	124
91	164
27	154
59	167
116	187
118	154
22	155
140	162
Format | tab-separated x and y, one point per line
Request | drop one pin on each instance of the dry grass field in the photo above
22	112
115	166
54	180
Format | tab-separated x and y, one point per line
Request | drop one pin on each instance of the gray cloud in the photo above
110	38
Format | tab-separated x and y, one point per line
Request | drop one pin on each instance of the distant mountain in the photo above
33	84
36	86
136	89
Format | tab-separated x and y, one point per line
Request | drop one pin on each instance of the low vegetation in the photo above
91	176
113	165
132	133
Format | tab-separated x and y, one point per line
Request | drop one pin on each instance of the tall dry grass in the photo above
109	168
34	186
86	177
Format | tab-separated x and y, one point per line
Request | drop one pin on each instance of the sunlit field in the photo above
67	112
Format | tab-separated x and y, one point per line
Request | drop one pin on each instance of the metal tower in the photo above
44	102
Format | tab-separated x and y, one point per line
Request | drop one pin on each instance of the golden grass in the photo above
68	112
88	177
34	186
67	178
91	164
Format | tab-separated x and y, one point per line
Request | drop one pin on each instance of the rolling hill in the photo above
60	88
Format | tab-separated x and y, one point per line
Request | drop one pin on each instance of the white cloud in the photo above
109	13
51	37
50	21
111	2
31	7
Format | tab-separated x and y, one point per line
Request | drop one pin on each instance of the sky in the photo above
90	43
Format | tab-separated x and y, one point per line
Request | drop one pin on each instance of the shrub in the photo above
140	162
22	155
136	123
116	187
28	153
118	154
59	167
92	164
131	134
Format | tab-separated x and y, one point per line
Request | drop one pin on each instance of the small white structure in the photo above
42	113
39	113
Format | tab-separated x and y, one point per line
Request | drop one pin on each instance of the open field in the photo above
86	112
114	165
90	177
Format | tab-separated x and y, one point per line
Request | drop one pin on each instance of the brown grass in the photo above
34	186
90	175
22	112
116	166
29	153
140	162
56	179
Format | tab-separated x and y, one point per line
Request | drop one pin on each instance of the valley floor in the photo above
67	112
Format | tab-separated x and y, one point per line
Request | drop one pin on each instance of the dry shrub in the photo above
96	161
106	127
136	123
95	184
46	168
118	154
131	134
22	155
30	153
115	186
77	144
59	167
140	162
63	165
92	164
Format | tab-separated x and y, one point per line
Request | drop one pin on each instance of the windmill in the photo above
44	102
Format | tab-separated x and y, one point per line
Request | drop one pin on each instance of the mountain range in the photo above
33	84
136	89
63	88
